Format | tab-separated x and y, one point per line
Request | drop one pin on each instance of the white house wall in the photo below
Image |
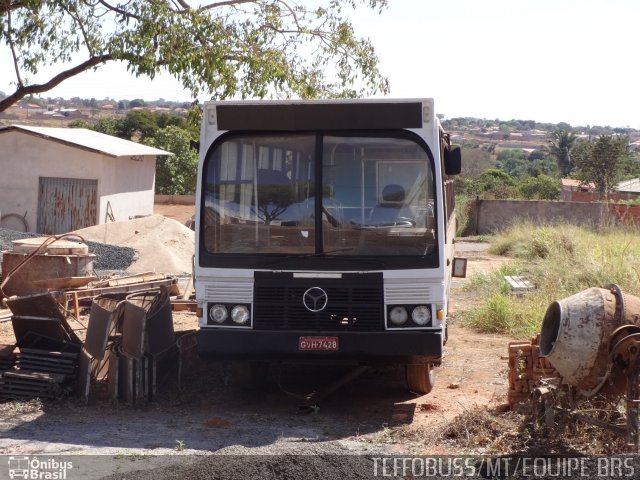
126	183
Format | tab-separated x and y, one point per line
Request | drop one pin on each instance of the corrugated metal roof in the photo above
630	186
90	140
571	182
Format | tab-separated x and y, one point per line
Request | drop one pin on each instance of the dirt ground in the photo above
374	414
212	414
181	213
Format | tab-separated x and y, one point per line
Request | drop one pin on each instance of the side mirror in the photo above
459	269
453	161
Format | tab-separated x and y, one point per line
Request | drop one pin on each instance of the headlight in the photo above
218	313
421	315
398	315
240	314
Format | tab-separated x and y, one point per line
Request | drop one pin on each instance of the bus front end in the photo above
324	233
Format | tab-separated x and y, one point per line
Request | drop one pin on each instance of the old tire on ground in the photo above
420	377
250	375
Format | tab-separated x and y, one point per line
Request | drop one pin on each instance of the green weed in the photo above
560	261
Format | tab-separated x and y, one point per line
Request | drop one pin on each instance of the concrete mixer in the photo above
592	339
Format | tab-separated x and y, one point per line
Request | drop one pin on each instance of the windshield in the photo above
299	194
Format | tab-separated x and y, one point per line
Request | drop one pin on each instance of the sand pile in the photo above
163	245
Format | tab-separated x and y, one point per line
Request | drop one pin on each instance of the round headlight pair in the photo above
420	315
239	314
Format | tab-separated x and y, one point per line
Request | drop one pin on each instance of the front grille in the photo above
355	303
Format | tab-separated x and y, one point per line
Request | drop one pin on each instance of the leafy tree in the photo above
513	161
519	163
107	125
225	48
562	142
176	174
542	187
475	161
136	103
139	124
599	161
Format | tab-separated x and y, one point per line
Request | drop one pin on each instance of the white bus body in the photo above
324	232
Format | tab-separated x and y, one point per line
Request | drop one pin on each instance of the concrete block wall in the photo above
494	215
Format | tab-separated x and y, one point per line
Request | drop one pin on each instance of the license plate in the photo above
319	344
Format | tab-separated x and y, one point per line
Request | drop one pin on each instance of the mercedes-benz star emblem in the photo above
315	299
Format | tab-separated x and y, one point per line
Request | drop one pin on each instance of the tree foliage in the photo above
176	174
248	48
542	187
562	142
599	162
519	163
142	124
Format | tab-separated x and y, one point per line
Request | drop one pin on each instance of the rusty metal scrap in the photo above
40	314
16	384
106	314
592	338
7	357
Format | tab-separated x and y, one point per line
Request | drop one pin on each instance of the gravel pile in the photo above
163	244
108	257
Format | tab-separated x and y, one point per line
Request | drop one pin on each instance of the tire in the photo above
419	377
250	375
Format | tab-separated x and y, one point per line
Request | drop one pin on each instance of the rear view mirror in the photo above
459	267
453	161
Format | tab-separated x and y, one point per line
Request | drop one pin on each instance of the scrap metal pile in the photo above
44	363
592	340
128	346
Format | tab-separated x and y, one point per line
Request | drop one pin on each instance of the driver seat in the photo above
392	206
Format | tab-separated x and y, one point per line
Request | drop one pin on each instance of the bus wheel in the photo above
420	377
250	375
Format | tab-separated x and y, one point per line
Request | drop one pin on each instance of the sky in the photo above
571	61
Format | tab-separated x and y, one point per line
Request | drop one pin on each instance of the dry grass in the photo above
560	261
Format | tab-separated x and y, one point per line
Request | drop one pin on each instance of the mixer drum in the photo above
576	332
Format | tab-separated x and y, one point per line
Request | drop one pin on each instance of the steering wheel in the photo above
405	222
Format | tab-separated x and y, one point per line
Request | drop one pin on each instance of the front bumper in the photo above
354	347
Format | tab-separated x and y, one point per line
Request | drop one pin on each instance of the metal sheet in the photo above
38	305
40	342
27	310
48	327
66	204
157	329
159	325
93	141
133	325
84	376
104	316
113	375
126	377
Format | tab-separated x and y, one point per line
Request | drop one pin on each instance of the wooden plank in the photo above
184	305
170	283
64	282
132	279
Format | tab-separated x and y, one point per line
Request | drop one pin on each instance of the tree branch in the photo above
23	91
8	6
13	49
220	4
124	13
